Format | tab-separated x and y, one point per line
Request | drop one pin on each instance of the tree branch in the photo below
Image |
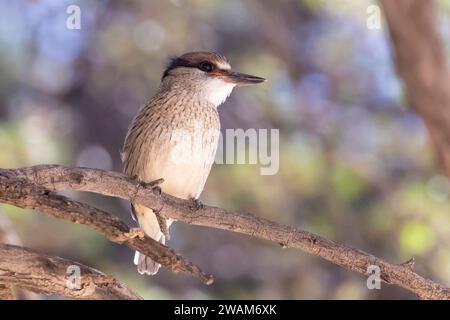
421	63
46	274
114	184
110	288
6	292
25	194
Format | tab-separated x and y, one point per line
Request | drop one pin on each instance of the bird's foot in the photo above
153	184
195	204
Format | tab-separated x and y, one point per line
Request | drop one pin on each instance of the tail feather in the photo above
149	223
145	265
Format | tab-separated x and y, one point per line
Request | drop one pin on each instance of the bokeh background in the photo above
356	165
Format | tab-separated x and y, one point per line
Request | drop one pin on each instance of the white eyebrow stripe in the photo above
223	65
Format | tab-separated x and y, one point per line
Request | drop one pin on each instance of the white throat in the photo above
216	91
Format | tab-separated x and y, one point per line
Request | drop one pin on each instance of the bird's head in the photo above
207	75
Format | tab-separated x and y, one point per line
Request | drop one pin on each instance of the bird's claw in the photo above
195	204
154	185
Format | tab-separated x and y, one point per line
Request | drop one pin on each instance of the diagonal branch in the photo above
25	194
49	275
114	184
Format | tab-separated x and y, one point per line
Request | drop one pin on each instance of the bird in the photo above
160	142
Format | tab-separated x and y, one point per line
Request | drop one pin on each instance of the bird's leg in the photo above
153	184
162	224
195	204
161	220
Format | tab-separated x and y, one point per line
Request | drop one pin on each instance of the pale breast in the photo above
175	142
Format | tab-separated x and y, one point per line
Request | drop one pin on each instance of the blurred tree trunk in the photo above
420	61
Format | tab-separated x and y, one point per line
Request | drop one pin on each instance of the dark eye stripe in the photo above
179	62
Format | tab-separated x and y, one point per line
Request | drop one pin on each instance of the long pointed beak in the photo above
242	79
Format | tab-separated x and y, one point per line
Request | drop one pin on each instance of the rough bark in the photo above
49	275
117	185
6	292
421	64
23	194
28	284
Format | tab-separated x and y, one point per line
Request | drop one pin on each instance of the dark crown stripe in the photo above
175	63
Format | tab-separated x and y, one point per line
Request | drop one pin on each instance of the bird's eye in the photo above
206	66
